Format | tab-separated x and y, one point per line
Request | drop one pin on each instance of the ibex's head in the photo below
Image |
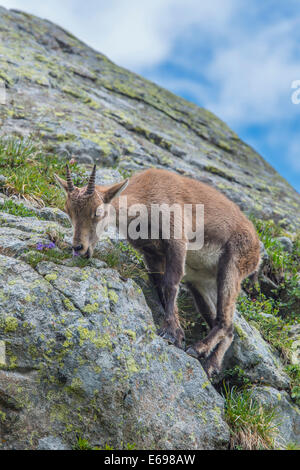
86	208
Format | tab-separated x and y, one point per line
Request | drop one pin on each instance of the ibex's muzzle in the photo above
77	248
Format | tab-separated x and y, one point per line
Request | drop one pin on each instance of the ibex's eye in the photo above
99	211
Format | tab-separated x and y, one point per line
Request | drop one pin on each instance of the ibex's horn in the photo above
91	186
69	180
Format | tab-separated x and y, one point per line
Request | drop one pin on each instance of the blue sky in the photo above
237	58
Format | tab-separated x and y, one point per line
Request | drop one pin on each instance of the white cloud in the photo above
249	62
133	33
254	76
249	72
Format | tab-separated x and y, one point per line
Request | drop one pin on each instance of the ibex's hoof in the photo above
167	336
191	352
213	372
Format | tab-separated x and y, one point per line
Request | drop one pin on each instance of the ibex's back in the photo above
213	273
222	216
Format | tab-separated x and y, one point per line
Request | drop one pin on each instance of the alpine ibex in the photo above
213	273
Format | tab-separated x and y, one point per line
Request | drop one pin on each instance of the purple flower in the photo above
41	246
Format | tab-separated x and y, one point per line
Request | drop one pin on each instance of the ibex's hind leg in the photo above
174	271
202	306
214	362
228	281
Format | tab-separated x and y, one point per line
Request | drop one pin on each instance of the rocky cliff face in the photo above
83	105
79	354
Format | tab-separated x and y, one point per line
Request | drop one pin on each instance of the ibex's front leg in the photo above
155	263
174	271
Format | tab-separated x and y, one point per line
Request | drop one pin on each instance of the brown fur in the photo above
214	273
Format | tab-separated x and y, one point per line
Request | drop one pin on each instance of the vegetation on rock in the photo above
56	330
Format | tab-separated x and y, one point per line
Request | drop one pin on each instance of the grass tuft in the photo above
252	426
83	444
19	210
30	172
125	259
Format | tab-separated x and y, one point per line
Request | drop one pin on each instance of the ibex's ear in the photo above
115	191
61	182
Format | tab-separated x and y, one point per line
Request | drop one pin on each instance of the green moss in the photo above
51	277
30	298
13	360
3	296
33	351
33	75
69	305
103	341
219	172
131	334
67	137
41	58
113	296
76	385
178	376
100	341
163	357
131	365
240	332
91	308
91	103
224	145
11	324
6	78
167	161
72	92
103	144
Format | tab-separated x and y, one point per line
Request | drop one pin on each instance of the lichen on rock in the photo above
79	353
